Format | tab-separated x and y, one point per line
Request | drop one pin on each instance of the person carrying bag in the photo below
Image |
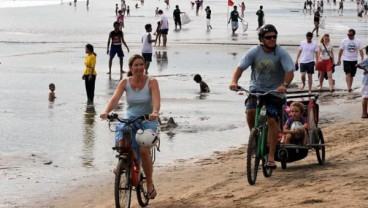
325	65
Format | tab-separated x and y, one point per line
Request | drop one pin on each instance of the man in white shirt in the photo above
349	48
307	53
164	27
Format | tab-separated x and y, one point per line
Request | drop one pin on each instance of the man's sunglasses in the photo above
270	37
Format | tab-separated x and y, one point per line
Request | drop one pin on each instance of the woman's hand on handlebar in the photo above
153	116
103	116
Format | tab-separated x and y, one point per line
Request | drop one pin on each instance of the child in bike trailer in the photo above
294	128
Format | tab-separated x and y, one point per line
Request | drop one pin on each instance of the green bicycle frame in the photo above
262	138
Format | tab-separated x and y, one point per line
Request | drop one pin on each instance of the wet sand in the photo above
220	179
64	158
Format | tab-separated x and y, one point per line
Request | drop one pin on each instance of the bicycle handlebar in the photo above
115	116
240	88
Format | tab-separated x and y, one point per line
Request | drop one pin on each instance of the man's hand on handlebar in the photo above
233	86
281	88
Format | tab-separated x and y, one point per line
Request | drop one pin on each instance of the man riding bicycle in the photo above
272	69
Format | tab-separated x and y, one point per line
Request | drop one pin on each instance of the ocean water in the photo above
47	148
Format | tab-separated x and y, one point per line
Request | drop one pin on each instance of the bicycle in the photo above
257	149
129	172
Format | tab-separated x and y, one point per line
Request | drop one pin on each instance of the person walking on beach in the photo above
349	49
242	9
89	75
234	16
341	7
164	27
307	54
156	12
198	5
208	17
117	39
147	46
123	7
116	9
176	15
272	69
143	98
316	20
325	62
120	19
364	65
260	15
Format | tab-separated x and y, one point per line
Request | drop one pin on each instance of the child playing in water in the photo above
51	92
295	135
204	87
158	33
364	65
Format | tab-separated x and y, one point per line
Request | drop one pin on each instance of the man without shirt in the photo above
117	39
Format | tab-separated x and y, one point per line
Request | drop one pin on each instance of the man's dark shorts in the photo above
273	105
349	67
147	56
164	31
177	22
116	50
260	23
307	67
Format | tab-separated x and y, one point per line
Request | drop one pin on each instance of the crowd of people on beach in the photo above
309	6
272	69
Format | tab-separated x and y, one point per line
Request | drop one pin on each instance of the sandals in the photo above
271	165
152	194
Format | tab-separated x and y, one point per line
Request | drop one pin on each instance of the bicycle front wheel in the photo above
123	185
142	191
252	158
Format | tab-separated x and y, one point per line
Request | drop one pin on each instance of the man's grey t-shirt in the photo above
268	69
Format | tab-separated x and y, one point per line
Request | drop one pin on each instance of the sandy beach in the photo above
59	154
219	180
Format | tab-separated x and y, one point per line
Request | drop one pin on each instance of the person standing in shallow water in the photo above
208	17
147	46
117	39
89	75
176	15
260	15
234	16
164	27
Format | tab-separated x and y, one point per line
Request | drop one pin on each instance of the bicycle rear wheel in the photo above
252	158
320	151
123	185
142	191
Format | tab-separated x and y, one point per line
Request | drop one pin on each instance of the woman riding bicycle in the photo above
272	69
143	98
